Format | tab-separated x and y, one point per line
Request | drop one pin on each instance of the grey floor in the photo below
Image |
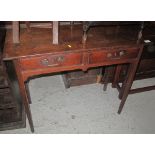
87	109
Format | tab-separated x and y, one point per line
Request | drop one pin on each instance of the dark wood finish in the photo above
146	67
11	117
40	43
24	94
118	87
76	78
133	91
91	24
117	76
112	55
102	49
127	85
46	61
139	90
65	80
106	77
12	114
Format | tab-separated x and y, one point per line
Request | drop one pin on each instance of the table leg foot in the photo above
128	84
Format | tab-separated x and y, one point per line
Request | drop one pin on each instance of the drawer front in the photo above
114	54
38	62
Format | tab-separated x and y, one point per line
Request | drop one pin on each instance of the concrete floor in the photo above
87	109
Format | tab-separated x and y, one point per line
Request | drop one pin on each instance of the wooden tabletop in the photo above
39	41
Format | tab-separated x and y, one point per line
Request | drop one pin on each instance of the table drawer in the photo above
114	54
38	62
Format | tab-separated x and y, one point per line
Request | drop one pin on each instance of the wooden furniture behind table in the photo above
146	67
96	75
35	55
16	31
87	25
12	113
77	78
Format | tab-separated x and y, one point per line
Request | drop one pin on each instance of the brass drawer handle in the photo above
60	59
116	55
45	62
109	55
122	53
